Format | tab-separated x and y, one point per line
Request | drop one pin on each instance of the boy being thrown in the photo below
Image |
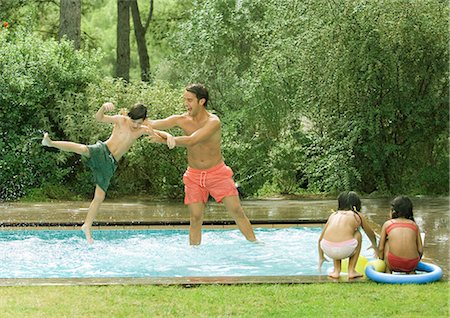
103	157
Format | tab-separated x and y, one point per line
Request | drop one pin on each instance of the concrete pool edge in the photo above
175	281
179	224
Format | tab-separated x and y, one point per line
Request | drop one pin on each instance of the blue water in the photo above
160	253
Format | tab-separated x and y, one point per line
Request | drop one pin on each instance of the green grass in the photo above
302	300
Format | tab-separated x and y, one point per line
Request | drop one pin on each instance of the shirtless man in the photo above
103	157
206	173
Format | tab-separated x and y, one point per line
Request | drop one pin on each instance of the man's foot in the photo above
87	232
334	275
354	275
46	141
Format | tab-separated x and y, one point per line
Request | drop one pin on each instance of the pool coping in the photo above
159	224
188	281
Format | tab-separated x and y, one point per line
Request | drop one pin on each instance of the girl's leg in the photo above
337	269
66	146
352	273
99	197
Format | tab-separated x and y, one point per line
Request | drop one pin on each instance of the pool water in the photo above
161	253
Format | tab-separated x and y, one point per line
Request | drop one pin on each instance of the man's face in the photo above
136	123
192	104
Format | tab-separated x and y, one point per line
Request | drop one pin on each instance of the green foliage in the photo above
36	74
369	77
313	96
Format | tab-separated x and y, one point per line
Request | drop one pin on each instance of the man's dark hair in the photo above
138	111
200	91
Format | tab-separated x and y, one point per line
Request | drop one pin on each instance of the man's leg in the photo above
99	197
66	146
195	228
233	206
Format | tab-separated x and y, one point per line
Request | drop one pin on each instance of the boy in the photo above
103	157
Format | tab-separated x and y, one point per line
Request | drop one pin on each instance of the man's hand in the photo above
162	137
171	141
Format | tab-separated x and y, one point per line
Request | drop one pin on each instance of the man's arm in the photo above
199	135
101	117
163	124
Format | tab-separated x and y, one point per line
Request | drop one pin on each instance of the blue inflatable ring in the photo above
432	273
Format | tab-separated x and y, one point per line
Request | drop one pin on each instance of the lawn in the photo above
366	299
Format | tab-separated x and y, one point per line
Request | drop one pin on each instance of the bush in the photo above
36	74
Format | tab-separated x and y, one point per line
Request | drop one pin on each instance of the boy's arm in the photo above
166	123
161	137
199	135
101	117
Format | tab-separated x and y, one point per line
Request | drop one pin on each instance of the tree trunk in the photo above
123	40
70	21
139	32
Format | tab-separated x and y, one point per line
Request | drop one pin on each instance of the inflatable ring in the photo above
432	273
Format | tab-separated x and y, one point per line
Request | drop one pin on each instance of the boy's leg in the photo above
336	270
233	206
196	220
352	273
66	146
99	197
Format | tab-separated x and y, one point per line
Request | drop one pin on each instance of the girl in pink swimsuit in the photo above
400	242
341	239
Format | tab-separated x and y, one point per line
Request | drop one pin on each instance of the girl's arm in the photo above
322	258
419	242
382	242
370	233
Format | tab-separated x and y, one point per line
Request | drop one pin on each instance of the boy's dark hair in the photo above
200	92
138	111
349	200
402	207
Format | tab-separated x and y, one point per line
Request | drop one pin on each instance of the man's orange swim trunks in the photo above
217	181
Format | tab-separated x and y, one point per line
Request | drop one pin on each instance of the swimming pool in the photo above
160	253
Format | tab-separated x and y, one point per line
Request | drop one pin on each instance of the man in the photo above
206	173
103	157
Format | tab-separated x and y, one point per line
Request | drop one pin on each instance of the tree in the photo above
140	31
123	40
70	21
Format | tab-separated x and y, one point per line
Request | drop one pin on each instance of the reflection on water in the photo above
431	214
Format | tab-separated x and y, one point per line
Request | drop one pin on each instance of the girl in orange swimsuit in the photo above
400	242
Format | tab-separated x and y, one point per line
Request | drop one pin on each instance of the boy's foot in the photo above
46	141
87	232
